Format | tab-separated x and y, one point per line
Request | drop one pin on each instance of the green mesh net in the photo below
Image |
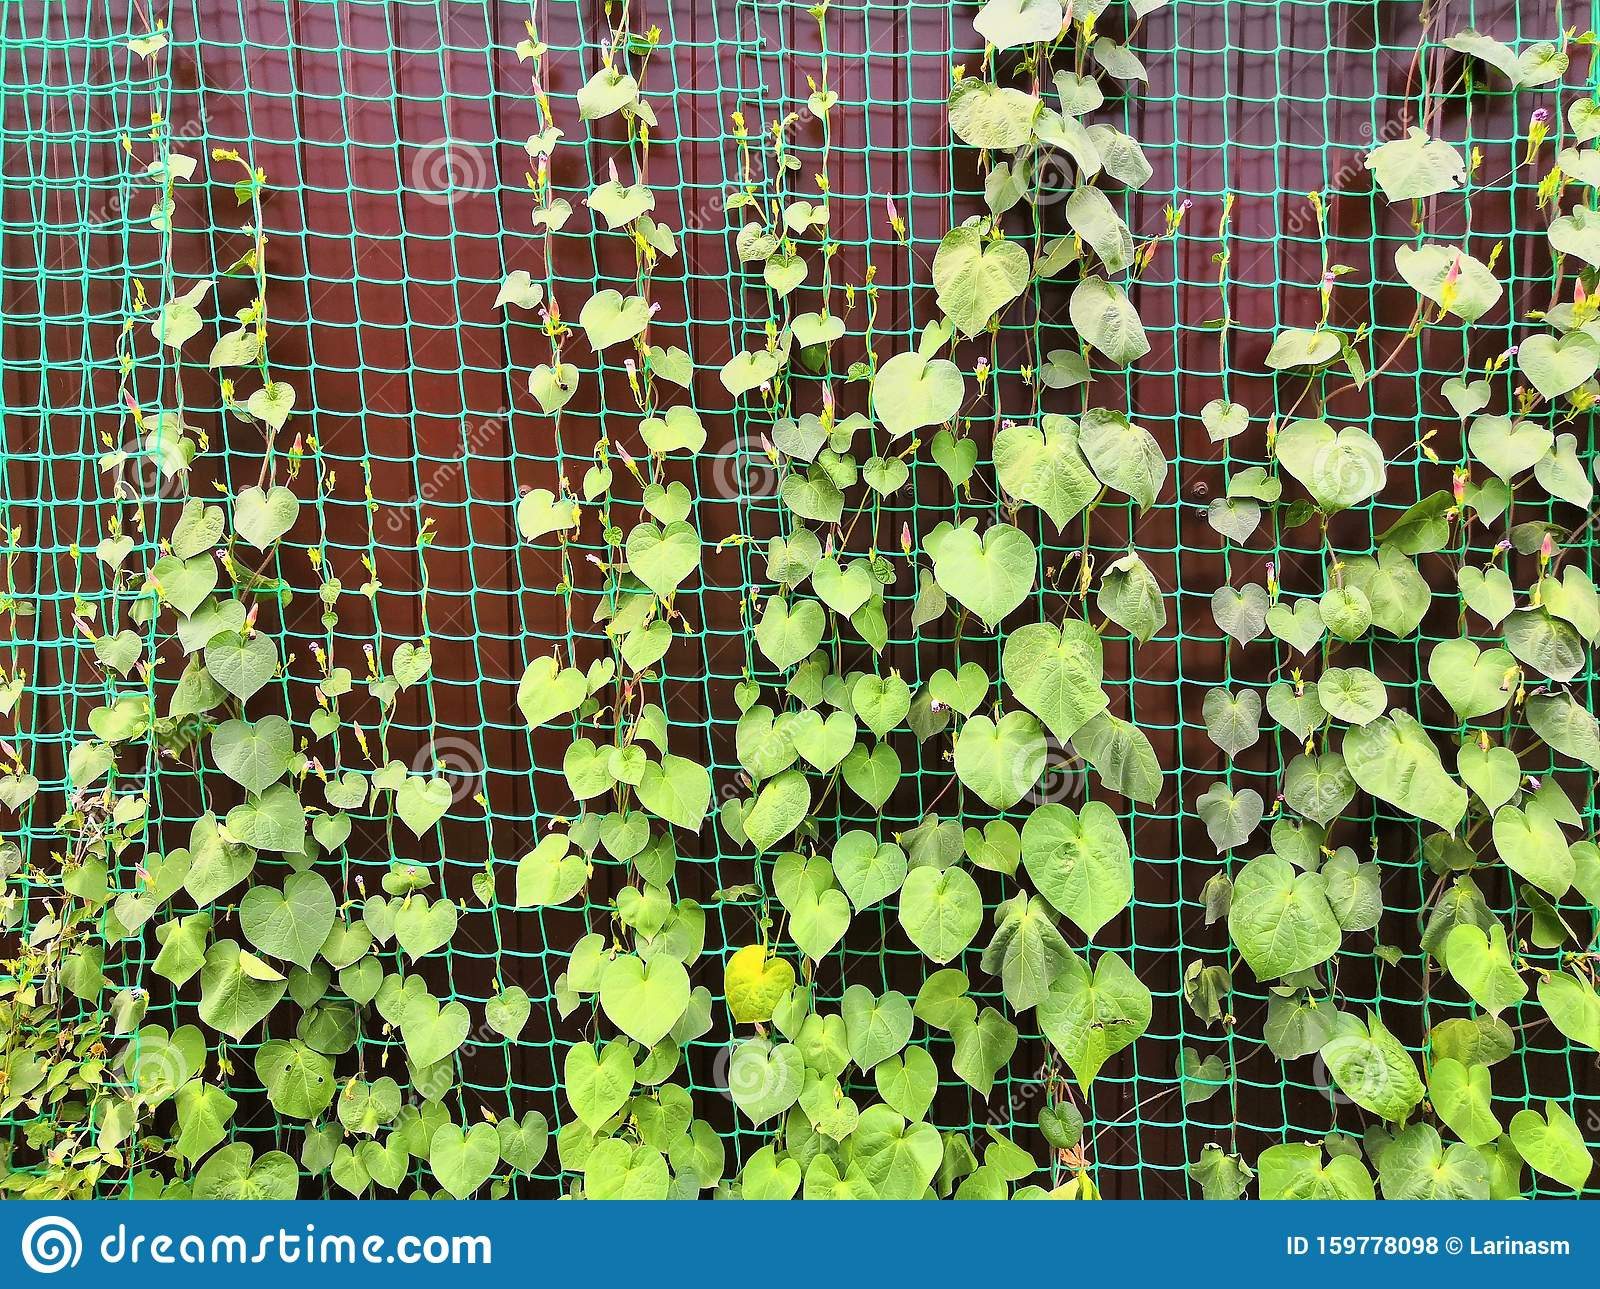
391	136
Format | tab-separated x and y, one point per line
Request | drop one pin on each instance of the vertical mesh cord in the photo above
392	141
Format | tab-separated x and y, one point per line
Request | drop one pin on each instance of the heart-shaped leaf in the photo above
754	983
1000	760
292	923
263	517
598	1084
253	756
787	633
1507	447
1045	466
548	690
940	910
1103	315
1123	455
233	1173
1079	862
662	558
765	1079
1532	846
432	1032
1090	1016
1374	1069
913	390
869	871
976	277
1491	772
1451	278
1556	367
1553	1145
607	318
1473	682
1481	964
463	1161
1396	761
241	664
421	927
421	802
1339	469
644	1000
876	1027
1281	920
990	575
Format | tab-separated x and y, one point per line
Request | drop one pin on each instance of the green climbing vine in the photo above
302	960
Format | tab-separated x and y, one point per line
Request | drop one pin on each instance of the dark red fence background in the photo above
391	137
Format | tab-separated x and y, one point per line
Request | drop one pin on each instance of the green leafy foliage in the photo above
928	749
